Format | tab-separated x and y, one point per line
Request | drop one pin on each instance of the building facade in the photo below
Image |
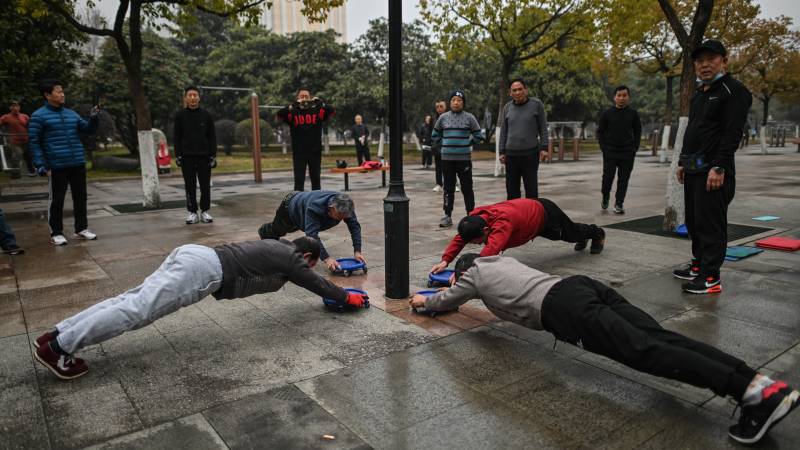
286	17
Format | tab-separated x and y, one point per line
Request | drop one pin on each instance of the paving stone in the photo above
21	419
282	418
189	432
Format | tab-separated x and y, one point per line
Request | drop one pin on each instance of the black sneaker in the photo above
598	243
13	249
755	421
581	245
703	285
446	222
689	273
618	209
604	203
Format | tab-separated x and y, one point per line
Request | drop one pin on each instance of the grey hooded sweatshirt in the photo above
510	289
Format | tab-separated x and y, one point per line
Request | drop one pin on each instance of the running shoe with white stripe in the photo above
777	401
58	239
85	235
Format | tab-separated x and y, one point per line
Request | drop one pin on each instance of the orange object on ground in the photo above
779	243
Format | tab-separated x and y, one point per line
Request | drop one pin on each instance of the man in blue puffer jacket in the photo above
57	151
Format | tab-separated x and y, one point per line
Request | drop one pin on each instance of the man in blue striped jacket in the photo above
456	131
57	151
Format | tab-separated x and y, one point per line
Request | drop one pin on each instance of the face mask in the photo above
716	77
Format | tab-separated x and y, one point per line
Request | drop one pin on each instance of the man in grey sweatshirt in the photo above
590	315
189	274
523	140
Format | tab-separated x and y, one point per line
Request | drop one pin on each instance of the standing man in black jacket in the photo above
717	115
305	118
195	153
426	141
360	134
436	147
619	133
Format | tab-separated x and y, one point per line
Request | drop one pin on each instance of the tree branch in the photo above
675	22
58	8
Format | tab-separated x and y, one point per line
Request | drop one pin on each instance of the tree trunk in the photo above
670	96
502	95
765	102
144	127
688	79
674	213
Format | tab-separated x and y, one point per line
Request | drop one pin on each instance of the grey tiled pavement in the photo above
278	371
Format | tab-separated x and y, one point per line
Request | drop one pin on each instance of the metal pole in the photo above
256	137
395	204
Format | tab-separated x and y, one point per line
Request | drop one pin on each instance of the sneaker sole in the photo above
787	405
681	277
192	223
59	245
207	221
55	372
712	290
78	236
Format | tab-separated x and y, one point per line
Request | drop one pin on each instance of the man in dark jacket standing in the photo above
717	115
436	147
195	153
619	132
57	151
305	118
360	134
189	274
425	141
523	141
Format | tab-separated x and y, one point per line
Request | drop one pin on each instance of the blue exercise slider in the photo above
350	265
333	305
441	279
766	218
682	231
428	293
737	253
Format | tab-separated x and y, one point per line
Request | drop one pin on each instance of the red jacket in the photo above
511	224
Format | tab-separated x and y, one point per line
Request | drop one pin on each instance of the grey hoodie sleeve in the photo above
463	291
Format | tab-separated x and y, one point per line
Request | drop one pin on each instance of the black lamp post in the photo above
395	204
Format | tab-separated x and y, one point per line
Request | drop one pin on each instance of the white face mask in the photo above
716	77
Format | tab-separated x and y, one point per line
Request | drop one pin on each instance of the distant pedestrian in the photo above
436	147
305	118
456	131
57	151
619	132
15	125
8	241
424	135
523	140
195	153
361	136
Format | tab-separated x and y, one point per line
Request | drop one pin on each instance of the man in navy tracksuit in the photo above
57	151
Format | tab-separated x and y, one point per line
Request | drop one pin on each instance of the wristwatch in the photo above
719	170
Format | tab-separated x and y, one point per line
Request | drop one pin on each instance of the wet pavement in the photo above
279	371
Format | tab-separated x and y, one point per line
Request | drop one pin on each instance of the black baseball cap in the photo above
710	46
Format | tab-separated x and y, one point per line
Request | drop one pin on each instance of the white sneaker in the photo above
192	218
437	188
458	189
205	217
59	239
85	234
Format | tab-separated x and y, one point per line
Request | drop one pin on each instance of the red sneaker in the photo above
44	339
63	366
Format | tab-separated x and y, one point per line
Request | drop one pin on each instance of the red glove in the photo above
356	300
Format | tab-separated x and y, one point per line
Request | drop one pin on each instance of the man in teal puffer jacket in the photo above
57	151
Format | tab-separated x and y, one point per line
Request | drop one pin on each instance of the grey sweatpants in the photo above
190	273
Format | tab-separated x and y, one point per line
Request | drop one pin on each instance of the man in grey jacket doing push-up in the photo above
586	313
189	274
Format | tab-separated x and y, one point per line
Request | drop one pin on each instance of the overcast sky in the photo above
360	12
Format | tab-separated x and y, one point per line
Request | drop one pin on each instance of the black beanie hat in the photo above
457	93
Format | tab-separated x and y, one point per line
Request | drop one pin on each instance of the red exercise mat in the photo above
779	243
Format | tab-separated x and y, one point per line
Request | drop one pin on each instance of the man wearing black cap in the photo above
455	131
717	115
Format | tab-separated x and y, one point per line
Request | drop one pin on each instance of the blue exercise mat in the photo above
737	253
682	231
440	279
428	293
349	265
336	306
